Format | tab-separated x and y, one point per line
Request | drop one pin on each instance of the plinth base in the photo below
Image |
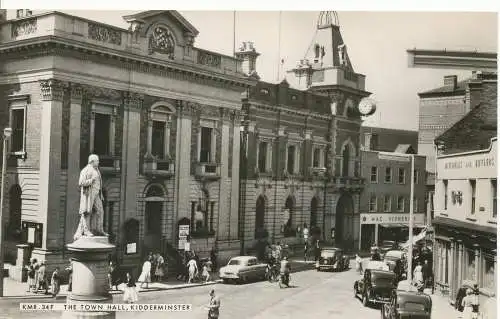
90	279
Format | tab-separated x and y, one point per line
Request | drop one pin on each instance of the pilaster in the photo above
50	162
224	188
72	191
235	183
460	266
131	145
476	263
183	158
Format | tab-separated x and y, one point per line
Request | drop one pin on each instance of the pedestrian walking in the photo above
213	306
359	267
192	267
213	258
130	291
55	282
30	268
112	275
467	302
418	277
205	273
42	278
159	271
69	269
145	277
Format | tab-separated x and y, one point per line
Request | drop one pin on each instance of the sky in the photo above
376	42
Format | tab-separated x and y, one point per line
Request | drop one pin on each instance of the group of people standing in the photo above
192	267
153	270
38	278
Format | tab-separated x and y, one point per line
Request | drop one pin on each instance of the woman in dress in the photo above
130	293
159	272
467	305
55	282
145	277
418	276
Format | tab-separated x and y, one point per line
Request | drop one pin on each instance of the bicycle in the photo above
272	273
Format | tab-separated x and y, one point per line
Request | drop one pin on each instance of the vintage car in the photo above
407	302
392	256
243	269
332	258
375	286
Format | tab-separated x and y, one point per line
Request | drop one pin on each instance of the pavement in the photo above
16	290
312	295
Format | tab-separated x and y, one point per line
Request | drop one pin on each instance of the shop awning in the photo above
416	238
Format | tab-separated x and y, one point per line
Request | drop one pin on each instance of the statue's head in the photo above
94	160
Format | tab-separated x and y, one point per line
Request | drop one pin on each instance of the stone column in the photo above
452	271
460	262
90	278
225	214
183	158
235	178
72	190
50	163
476	262
131	149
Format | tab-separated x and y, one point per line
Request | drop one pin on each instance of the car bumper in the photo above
380	300
228	276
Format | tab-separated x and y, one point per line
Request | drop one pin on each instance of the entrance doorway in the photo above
344	222
314	213
260	211
15	205
153	223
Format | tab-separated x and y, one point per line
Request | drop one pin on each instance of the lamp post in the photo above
7	132
410	226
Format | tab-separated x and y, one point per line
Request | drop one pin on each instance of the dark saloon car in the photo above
407	303
375	287
332	258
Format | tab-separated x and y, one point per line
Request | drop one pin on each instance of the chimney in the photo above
450	81
248	55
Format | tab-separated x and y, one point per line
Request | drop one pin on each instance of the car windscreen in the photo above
385	279
328	253
234	262
393	255
413	306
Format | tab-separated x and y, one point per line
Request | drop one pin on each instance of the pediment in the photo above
165	29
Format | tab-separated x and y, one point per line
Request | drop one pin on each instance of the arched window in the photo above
346	156
15	204
154	191
314	213
260	211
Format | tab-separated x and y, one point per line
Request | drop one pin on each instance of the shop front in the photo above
376	228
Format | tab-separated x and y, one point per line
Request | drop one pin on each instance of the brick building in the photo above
387	139
302	146
385	200
163	115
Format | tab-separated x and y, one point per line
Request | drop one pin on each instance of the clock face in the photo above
366	107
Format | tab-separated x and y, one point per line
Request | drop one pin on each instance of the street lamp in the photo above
7	132
410	226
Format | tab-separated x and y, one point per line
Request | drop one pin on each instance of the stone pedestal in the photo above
18	272
90	281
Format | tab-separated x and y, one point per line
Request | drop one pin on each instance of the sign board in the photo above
390	157
187	246
183	230
31	235
183	236
404	218
131	249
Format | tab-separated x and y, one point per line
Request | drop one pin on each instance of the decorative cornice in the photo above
101	92
288	110
189	109
208	111
52	89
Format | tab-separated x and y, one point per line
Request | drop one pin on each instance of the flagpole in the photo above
234	32
279	49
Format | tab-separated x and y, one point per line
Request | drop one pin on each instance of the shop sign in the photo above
418	219
183	236
389	157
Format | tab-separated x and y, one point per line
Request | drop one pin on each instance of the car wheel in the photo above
365	301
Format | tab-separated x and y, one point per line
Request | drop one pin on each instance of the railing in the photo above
208	170
154	166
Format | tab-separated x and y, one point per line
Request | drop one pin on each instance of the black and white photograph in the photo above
257	162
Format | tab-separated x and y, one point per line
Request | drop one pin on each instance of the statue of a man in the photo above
91	209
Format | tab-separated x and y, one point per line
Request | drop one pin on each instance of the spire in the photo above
327	19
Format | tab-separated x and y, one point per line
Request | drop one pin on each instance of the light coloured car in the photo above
243	269
392	256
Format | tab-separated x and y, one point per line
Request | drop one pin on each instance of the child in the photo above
130	293
206	273
31	275
55	282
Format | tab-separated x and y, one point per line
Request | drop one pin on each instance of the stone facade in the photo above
115	90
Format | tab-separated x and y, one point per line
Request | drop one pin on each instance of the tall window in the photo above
17	122
158	140
374	174
345	160
374	142
445	184
401	175
472	183
373	203
494	197
388	175
263	157
415	204
317	157
206	145
401	204
290	164
387	203
415	176
102	129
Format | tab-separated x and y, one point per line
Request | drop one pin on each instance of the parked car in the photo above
392	256
243	269
407	302
375	286
332	258
389	245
